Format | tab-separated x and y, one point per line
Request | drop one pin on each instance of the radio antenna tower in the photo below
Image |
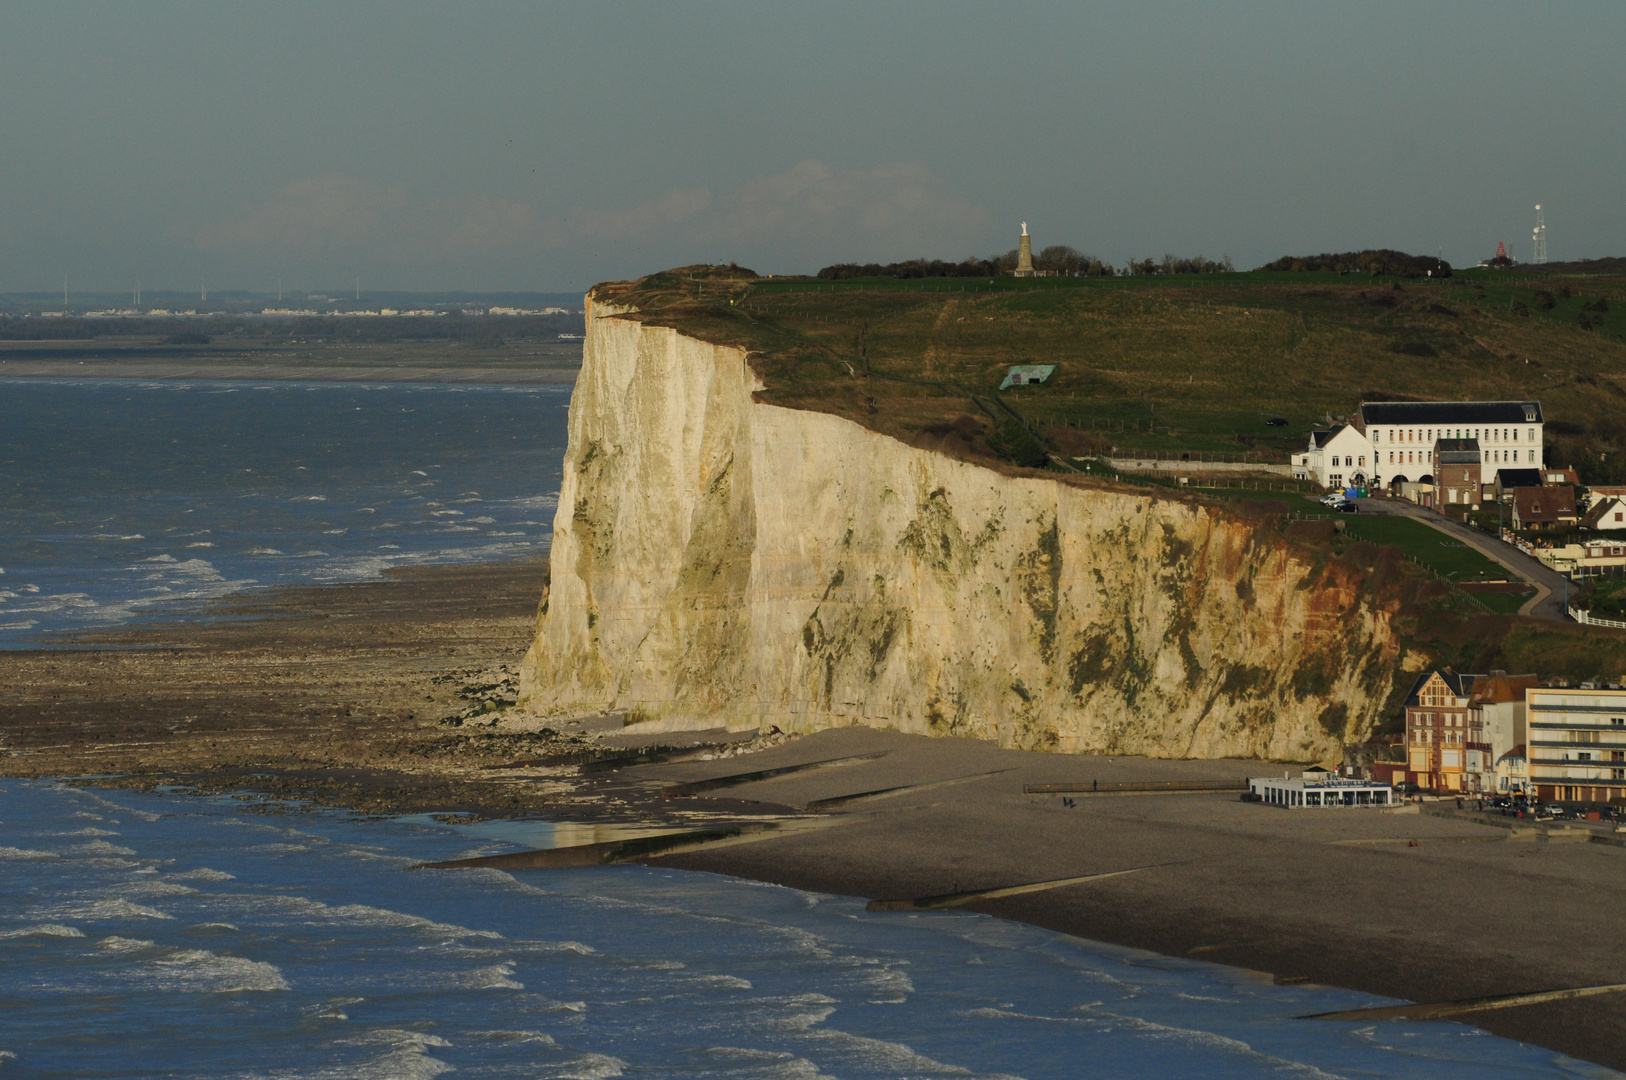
1539	238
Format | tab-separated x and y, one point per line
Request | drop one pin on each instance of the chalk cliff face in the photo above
721	561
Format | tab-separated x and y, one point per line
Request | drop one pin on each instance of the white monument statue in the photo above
1024	254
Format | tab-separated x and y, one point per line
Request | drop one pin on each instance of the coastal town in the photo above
1515	741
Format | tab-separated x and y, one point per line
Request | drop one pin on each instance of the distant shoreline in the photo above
547	371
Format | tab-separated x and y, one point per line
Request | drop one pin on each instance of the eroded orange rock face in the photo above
721	561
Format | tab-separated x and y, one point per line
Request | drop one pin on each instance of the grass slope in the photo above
1195	363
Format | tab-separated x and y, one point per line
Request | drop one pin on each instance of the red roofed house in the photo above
1544	507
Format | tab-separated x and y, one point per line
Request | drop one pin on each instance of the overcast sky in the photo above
492	146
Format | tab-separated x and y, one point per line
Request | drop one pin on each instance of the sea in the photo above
175	934
125	500
180	935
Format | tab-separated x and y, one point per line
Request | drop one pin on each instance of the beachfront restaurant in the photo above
1319	790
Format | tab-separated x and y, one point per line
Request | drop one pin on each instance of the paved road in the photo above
1551	586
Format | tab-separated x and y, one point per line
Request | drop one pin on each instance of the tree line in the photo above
1058	259
1377	262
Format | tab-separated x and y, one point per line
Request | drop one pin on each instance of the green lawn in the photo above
1445	555
1503	603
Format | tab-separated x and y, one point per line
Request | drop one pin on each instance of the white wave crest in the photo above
591	1067
115	908
727	982
201	970
156	888
91	831
102	847
43	930
537	1037
407	1057
26	853
124	944
495	977
203	873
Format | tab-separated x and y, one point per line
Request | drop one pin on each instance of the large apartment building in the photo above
1577	749
1397	438
1467	733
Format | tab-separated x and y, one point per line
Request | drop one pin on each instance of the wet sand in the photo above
339	695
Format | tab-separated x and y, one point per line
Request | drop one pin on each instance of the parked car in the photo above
1276	421
1334	498
1347	507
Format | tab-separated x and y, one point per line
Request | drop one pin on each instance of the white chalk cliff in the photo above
717	560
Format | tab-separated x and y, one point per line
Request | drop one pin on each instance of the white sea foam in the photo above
406	1057
116	908
156	888
199	970
101	848
1206	1041
768	1064
203	873
26	853
495	977
119	944
537	1037
724	982
591	1067
91	831
43	930
893	1058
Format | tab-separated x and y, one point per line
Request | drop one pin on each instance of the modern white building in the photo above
1577	746
1319	790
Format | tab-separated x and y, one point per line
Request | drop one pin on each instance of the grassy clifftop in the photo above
1162	363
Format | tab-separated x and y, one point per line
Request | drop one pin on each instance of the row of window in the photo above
1428	434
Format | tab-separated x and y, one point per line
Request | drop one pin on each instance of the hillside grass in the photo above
1194	363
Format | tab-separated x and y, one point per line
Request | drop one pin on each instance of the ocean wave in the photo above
199	970
110	909
26	853
43	930
537	1037
591	1067
407	1057
90	830
100	848
726	982
495	977
768	1064
1208	1041
124	944
894	1058
155	888
203	873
